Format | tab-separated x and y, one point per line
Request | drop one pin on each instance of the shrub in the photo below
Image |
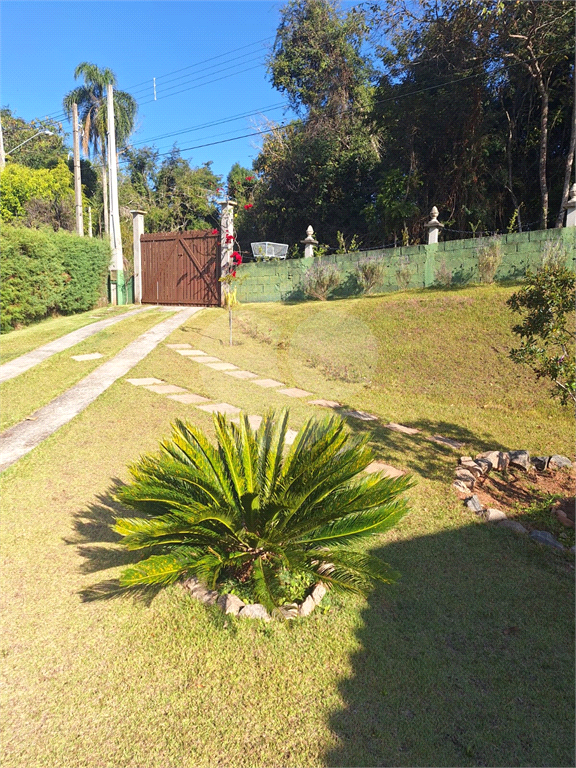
369	273
443	275
403	274
45	272
546	302
242	513
20	184
320	279
554	254
489	258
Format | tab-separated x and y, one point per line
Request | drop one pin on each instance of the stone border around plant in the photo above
470	470
231	604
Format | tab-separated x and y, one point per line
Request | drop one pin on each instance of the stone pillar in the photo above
433	226
137	230
570	206
226	230
309	243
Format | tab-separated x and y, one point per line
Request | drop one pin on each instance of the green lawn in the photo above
24	394
467	661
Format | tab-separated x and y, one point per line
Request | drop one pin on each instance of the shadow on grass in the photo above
419	453
93	533
468	660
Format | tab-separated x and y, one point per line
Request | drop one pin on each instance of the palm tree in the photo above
91	101
243	510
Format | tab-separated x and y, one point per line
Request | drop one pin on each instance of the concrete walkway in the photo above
22	438
30	359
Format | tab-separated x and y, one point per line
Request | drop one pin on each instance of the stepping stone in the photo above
387	469
293	392
205	360
325	403
189	399
91	356
291	435
402	428
220	408
362	415
165	389
254	421
191	352
241	374
446	441
222	366
178	346
144	382
268	383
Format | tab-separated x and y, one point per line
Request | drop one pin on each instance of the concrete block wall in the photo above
282	280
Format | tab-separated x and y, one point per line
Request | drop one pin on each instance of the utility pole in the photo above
117	263
77	176
2	155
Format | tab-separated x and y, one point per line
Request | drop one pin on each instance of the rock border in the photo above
470	470
231	604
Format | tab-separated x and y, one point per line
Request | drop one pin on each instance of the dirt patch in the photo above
533	499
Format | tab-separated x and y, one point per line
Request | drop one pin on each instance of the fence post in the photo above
137	230
570	206
433	226
309	243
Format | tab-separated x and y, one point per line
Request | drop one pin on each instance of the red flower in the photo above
229	238
233	273
248	205
249	178
214	231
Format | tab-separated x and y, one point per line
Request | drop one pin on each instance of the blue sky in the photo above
42	43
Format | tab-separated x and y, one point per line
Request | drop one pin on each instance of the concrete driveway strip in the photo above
30	359
24	437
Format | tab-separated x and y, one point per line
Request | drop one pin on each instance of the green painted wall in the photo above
282	280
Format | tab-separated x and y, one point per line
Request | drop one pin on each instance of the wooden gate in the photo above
181	268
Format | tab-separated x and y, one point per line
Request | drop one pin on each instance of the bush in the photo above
404	274
443	275
319	280
489	258
45	272
369	273
245	516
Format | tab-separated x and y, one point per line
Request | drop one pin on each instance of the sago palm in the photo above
246	508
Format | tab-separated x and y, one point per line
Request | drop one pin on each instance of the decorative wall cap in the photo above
571	202
309	240
135	212
434	220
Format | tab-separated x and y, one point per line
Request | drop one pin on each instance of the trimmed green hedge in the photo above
44	272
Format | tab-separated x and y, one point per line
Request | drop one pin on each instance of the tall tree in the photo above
91	101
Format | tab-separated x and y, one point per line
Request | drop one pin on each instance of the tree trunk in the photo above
569	163
544	100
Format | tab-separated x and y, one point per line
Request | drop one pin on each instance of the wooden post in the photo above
89	221
77	174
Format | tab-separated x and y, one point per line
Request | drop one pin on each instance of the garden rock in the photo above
484	465
203	594
460	487
288	611
307	606
472	466
539	462
543	537
494	515
513	525
230	604
559	462
474	504
466	477
519	459
254	611
318	593
498	459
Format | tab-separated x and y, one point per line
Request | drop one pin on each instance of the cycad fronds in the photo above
247	509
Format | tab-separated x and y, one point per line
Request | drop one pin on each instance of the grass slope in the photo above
467	661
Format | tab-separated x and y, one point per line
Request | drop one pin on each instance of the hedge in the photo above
45	272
